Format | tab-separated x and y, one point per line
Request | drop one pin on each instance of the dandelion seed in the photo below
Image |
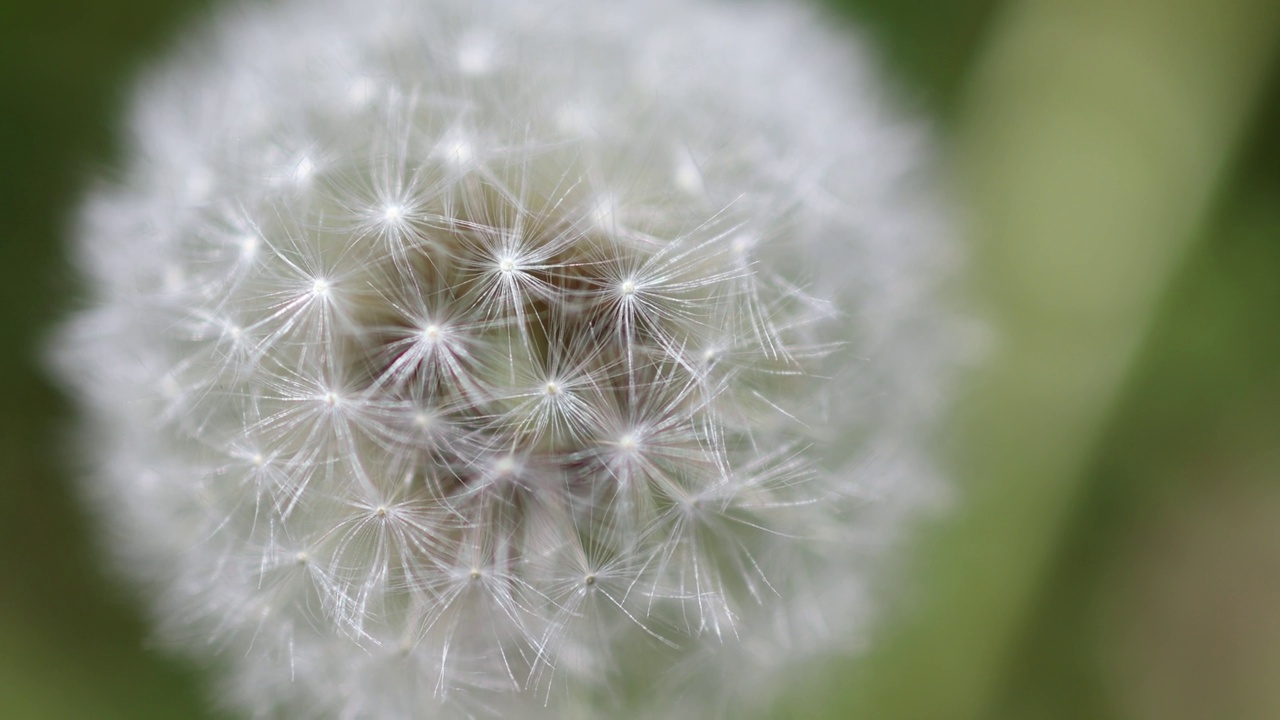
455	149
303	169
362	91
475	54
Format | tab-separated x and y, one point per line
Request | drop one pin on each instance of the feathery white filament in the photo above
513	356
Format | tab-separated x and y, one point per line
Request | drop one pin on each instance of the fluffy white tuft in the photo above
501	357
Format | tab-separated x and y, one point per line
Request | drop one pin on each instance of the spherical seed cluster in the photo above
505	357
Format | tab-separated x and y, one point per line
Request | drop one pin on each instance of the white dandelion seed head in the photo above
514	357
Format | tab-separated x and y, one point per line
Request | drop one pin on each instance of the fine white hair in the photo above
510	357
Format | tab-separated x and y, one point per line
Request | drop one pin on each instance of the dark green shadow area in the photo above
72	643
927	46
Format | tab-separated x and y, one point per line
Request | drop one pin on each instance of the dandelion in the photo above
505	358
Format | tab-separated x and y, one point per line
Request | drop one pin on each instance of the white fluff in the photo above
509	357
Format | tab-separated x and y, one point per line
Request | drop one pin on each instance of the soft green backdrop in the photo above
1115	551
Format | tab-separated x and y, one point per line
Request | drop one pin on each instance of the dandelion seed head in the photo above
510	358
574	117
506	466
455	149
476	53
362	91
303	169
604	213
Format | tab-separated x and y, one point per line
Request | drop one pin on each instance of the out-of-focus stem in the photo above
1091	140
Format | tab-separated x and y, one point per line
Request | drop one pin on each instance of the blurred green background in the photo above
1114	551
